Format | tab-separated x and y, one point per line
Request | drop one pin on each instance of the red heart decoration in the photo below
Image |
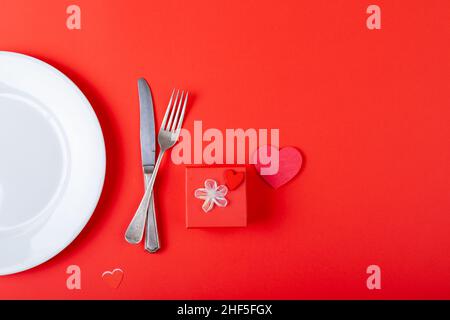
233	179
290	163
113	278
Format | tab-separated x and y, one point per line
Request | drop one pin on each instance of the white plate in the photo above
52	162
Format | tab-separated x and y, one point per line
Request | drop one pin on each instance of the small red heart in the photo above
113	278
233	179
290	163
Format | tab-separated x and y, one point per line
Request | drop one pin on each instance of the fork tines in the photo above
173	120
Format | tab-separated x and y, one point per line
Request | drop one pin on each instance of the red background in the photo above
368	109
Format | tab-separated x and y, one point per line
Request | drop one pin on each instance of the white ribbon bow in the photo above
212	194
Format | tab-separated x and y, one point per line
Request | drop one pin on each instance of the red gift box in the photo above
234	214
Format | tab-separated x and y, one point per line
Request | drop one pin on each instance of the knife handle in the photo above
151	236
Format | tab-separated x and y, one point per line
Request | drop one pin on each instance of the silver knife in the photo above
148	150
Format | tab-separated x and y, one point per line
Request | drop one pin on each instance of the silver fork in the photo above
167	137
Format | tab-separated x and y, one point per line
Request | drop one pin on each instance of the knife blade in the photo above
148	138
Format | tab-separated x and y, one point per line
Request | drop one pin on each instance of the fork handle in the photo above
135	231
